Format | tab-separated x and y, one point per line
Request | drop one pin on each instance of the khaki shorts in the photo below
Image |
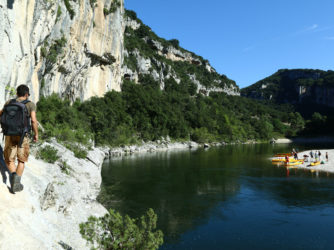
12	149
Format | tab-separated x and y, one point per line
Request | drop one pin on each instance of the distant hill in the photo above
297	86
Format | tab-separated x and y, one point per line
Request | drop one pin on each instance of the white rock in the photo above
52	205
26	25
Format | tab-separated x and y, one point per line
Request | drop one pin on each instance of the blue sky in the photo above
247	40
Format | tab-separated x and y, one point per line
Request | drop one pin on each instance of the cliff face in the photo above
74	48
296	87
147	54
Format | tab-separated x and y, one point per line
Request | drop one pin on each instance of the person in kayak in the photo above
287	158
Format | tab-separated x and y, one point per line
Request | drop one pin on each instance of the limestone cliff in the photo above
147	54
74	48
298	86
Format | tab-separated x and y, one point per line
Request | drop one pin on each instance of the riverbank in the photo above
164	145
328	166
318	139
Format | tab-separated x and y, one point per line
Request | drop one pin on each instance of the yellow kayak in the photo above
315	163
277	160
294	163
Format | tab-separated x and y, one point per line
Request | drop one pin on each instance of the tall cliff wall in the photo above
74	48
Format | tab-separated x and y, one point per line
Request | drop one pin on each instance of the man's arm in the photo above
34	124
1	112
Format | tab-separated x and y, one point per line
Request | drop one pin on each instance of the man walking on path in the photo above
17	146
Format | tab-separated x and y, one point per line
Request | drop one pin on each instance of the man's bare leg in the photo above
11	167
20	168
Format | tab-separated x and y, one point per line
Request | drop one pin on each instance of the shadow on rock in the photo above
3	167
10	4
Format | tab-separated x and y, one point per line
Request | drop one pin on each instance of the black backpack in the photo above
15	119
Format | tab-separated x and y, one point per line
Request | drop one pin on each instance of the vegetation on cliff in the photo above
290	86
149	45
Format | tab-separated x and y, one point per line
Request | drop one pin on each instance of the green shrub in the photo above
78	151
58	13
55	50
175	43
114	231
64	167
43	52
114	5
48	154
92	3
42	83
131	14
201	135
63	121
69	8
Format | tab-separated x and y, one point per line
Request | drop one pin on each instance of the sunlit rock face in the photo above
74	50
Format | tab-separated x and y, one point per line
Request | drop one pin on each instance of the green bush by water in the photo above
114	231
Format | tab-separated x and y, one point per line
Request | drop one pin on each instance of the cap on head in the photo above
22	90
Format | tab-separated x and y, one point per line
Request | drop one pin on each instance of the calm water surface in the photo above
225	198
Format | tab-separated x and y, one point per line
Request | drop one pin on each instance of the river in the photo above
225	198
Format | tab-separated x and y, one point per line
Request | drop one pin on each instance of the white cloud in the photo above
308	29
248	48
312	27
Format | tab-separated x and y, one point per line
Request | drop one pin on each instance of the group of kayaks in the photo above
287	159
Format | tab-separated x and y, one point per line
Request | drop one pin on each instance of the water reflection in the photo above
189	188
183	188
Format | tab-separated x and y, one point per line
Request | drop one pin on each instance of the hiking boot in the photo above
15	183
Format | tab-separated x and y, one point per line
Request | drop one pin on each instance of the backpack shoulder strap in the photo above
25	101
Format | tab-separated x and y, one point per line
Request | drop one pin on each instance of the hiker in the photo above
17	117
295	156
319	155
327	156
311	154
